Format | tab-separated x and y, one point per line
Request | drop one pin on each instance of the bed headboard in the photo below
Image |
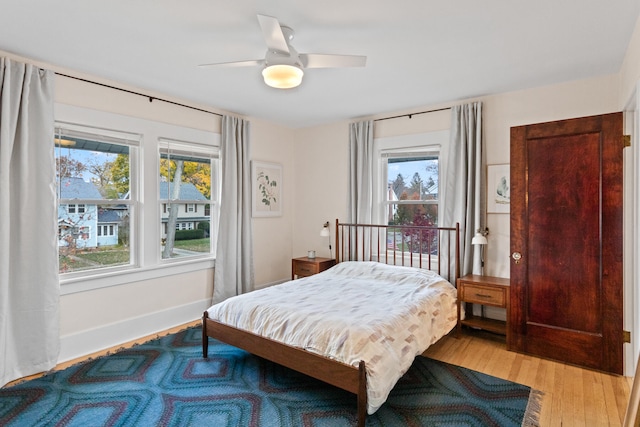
432	248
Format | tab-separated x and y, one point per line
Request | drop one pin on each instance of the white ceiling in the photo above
420	52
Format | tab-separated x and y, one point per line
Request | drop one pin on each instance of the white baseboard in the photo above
86	342
266	285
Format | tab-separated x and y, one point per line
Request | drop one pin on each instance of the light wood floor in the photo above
572	396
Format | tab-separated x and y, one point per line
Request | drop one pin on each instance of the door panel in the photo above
566	221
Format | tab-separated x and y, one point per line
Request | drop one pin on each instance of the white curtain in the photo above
29	285
463	197
234	254
361	169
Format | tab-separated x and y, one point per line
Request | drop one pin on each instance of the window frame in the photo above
423	144
430	152
66	129
167	146
146	224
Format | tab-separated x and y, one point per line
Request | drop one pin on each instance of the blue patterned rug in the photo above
166	382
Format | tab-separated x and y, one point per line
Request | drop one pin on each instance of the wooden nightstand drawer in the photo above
484	295
483	291
304	268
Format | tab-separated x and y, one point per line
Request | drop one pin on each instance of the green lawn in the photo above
102	257
118	255
196	245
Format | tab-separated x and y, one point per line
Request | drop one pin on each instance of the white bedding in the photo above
382	314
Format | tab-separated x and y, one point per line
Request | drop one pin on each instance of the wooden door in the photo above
566	223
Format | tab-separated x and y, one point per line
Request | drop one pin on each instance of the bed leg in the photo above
205	337
362	394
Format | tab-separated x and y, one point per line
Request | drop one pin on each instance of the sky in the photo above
408	169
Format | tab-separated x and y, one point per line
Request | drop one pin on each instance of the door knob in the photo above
517	256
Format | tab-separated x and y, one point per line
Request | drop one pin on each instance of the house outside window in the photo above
94	190
188	184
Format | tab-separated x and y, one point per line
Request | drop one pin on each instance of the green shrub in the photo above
189	234
204	225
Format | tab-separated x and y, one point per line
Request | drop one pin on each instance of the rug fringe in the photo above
534	407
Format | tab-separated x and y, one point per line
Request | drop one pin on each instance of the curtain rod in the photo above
151	98
413	114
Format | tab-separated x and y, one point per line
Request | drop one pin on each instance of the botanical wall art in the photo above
499	189
266	180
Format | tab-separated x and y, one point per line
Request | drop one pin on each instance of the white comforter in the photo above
382	314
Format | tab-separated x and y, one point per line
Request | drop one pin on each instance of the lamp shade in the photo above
282	76
479	239
324	232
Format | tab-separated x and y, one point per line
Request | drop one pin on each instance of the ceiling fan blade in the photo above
319	60
235	63
273	34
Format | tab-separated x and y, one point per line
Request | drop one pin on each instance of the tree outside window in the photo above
185	192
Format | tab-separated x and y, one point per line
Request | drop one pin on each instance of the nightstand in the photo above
303	267
484	291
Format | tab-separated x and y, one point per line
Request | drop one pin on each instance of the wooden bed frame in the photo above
354	242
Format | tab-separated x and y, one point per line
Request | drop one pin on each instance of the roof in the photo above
188	191
77	188
108	215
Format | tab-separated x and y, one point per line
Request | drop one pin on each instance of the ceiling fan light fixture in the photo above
282	76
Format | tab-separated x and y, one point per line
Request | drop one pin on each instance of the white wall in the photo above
630	101
630	71
272	236
139	305
320	186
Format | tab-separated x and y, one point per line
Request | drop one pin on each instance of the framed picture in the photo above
498	189
266	189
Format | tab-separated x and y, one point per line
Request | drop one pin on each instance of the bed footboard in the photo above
324	369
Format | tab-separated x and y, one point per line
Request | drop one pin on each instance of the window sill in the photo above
120	277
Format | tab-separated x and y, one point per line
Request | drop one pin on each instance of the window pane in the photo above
412	240
404	194
105	165
191	237
92	235
185	190
414	214
412	178
84	244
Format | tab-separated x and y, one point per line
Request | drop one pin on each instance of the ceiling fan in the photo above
283	65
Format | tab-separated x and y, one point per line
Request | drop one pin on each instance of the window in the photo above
73	208
408	187
412	199
188	198
94	190
106	230
412	189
